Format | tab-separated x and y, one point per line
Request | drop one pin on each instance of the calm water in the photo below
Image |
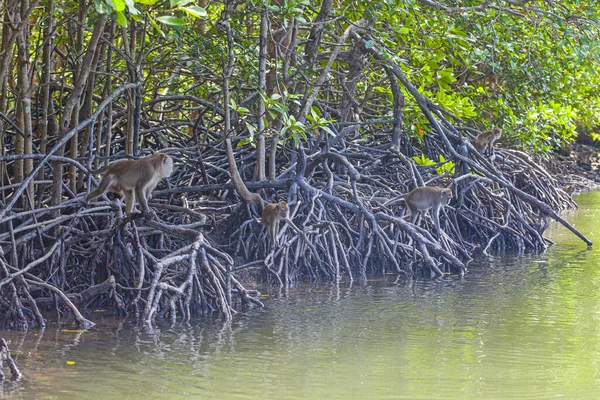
514	327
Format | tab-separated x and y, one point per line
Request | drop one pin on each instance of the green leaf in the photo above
300	19
117	5
251	129
146	2
369	44
244	142
327	130
422	160
296	140
169	20
194	11
131	8
180	3
242	110
156	26
101	7
121	20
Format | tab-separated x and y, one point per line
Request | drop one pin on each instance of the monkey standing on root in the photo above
423	198
271	216
135	179
485	140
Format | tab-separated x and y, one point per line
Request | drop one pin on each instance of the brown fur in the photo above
485	140
135	179
272	214
423	198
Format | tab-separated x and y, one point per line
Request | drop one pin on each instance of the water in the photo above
513	327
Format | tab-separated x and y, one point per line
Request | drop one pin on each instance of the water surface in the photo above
514	327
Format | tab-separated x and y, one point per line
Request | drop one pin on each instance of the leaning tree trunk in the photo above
72	103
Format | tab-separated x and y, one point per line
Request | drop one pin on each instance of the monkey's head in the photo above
166	164
497	132
445	196
282	209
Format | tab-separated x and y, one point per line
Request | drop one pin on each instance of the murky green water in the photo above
514	327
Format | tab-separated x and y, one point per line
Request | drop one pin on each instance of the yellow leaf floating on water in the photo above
70	362
74	330
100	310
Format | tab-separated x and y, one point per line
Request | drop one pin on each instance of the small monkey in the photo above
423	198
485	140
584	157
271	215
135	179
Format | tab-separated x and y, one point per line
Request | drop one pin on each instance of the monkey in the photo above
423	198
486	140
272	214
584	157
134	179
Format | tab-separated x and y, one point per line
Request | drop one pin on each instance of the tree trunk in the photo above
262	68
240	187
74	145
87	111
46	78
24	115
132	141
107	90
71	103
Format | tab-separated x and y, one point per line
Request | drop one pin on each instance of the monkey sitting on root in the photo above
272	214
134	179
485	140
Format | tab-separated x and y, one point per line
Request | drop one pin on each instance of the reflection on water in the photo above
513	327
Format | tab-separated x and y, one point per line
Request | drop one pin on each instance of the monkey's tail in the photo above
395	200
93	194
99	190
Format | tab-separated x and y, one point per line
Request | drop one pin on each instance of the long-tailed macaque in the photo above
485	140
135	179
584	157
272	214
423	198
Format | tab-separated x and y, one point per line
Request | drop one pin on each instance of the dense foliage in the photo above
530	67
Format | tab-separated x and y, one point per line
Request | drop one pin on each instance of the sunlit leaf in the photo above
251	129
180	3
121	20
194	11
156	26
173	21
117	5
131	7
